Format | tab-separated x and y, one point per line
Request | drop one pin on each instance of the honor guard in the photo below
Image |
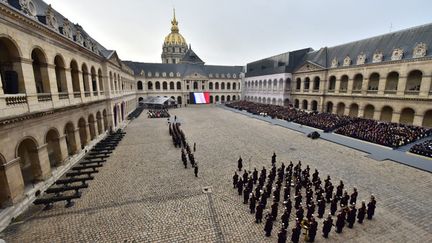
327	225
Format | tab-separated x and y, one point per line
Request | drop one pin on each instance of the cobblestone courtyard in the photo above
143	193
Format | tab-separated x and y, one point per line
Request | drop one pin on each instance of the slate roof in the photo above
182	69
41	7
191	57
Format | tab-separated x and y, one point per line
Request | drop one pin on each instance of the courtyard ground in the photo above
143	193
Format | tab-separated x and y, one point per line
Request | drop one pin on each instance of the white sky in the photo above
235	32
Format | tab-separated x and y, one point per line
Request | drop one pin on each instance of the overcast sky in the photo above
235	32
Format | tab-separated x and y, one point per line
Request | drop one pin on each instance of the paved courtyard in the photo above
143	193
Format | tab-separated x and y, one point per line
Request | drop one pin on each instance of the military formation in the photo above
293	189
179	141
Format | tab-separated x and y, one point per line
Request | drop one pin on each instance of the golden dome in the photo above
175	38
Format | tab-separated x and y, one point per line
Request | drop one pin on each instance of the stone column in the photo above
78	139
396	117
425	85
360	112
63	148
365	86
418	120
69	86
81	84
337	87
29	82
44	163
381	85
350	85
401	85
53	84
88	133
11	183
377	115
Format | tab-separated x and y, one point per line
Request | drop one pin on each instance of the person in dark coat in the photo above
353	198
259	213
245	196
345	198
235	179
282	236
285	218
321	208
313	227
340	222
327	225
245	177
361	213
252	203
333	205
274	210
255	176
194	147
196	170
273	158
240	164
240	186
296	231
351	216
310	210
371	208
300	213
268	225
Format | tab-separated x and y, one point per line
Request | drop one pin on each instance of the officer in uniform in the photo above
240	164
274	158
361	213
352	216
268	225
252	204
295	237
333	204
274	210
354	195
282	236
255	176
313	226
259	213
285	219
196	170
321	208
327	225
235	179
371	208
340	222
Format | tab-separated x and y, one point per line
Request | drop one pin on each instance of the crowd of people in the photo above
179	141
424	149
384	133
306	195
158	113
325	121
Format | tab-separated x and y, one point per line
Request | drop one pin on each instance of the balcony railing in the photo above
356	91
44	97
412	92
77	94
306	90
372	91
95	93
63	96
342	91
102	92
393	91
331	90
17	99
315	90
87	94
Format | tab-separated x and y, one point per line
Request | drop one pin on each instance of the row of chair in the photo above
68	187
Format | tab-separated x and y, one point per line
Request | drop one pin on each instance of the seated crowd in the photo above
158	113
384	133
325	121
424	149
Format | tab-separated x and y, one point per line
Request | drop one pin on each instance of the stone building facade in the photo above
60	91
182	71
386	78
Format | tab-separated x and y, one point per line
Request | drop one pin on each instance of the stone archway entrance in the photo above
83	132
29	161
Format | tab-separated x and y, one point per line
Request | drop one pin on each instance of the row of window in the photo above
195	85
